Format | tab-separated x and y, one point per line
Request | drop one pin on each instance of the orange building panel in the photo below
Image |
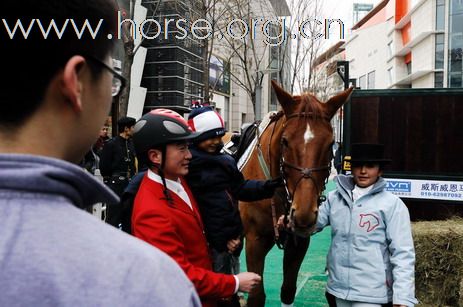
406	33
401	9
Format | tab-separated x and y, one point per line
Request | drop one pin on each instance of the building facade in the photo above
173	70
228	73
404	43
327	81
169	72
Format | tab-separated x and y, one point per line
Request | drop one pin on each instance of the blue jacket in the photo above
53	253
217	185
371	257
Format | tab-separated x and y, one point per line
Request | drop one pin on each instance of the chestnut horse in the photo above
296	146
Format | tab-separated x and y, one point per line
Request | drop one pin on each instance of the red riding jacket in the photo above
178	230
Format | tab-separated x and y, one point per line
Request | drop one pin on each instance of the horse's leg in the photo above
292	260
256	250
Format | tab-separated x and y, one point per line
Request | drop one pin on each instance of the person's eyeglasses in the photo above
118	80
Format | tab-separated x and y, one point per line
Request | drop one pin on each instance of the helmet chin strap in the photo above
166	192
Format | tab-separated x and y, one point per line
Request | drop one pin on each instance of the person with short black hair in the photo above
371	261
91	160
118	166
102	139
55	94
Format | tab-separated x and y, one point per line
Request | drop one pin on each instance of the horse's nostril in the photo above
292	211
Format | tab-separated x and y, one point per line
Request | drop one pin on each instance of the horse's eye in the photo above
284	141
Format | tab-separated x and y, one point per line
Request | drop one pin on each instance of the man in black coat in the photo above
118	165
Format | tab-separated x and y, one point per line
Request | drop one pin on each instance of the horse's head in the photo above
305	145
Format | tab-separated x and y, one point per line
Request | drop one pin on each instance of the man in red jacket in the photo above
165	212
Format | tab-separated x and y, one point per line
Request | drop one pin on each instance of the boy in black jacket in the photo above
217	185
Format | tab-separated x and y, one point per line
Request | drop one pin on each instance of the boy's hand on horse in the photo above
273	184
248	281
233	244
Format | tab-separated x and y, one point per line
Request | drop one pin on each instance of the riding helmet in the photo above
160	127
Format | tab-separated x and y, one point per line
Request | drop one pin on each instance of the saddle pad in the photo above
247	154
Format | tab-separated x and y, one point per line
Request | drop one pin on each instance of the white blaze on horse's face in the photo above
308	135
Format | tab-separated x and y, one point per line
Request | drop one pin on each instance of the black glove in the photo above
273	184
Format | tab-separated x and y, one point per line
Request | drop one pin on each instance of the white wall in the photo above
368	52
423	55
423	19
137	93
426	81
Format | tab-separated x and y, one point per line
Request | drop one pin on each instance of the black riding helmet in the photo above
158	128
155	130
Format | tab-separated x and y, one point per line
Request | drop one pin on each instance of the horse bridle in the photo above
306	173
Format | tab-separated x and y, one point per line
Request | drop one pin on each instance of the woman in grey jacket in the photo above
371	261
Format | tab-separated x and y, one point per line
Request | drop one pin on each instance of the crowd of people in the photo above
166	183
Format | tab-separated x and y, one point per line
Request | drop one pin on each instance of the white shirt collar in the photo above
173	186
358	192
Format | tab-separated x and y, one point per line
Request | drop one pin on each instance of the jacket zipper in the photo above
230	198
349	248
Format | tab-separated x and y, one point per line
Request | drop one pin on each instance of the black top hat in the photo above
368	153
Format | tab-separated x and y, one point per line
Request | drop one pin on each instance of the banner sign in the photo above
426	189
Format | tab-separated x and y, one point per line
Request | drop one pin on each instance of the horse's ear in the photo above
334	103
284	97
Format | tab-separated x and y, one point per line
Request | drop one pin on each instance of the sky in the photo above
337	9
341	9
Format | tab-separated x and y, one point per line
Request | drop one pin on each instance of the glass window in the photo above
456	43
363	82
226	113
391	77
457	23
456	46
371	80
438	79
456	80
440	16
440	38
456	7
409	68
163	83
273	105
274	57
219	75
439	60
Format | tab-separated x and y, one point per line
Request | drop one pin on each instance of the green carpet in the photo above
311	280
